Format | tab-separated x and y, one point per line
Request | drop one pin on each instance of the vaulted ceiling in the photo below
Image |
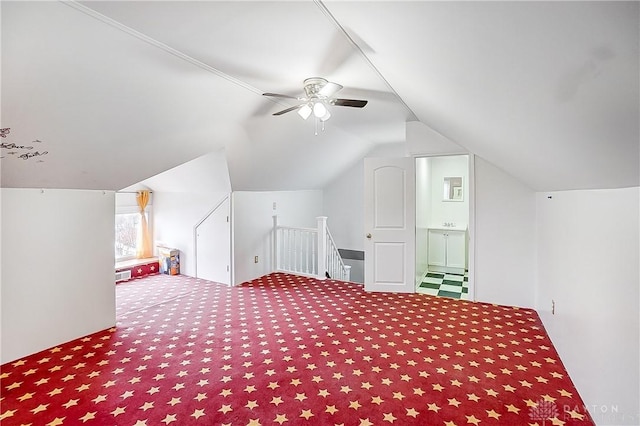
111	93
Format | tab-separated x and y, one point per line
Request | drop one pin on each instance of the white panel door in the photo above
389	220
213	246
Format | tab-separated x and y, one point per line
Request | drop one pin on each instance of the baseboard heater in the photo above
123	275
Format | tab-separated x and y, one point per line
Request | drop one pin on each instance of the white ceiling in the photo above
120	91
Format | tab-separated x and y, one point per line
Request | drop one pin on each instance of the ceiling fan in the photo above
317	100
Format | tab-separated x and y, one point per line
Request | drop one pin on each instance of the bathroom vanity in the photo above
447	249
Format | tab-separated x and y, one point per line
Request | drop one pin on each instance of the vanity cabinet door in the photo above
456	249
437	249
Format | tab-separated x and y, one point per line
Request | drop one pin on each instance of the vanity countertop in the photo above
449	228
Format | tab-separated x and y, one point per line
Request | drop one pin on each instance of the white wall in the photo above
449	211
588	253
175	216
505	221
57	267
252	224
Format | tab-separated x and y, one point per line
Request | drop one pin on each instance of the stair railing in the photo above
308	251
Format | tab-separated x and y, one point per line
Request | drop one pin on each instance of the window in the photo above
127	226
127	229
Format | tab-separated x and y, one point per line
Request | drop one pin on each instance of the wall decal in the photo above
23	152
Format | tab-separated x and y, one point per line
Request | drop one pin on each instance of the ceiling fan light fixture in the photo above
305	111
319	109
325	117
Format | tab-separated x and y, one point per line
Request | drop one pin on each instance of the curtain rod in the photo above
131	192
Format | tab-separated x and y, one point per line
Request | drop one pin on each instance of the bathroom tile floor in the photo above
448	285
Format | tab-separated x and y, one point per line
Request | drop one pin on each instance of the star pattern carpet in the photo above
288	350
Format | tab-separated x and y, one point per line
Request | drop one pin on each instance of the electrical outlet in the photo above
255	259
274	205
553	307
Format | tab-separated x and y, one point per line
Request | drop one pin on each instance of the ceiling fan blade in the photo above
278	95
329	89
349	103
284	111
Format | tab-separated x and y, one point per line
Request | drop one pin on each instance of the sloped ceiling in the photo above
112	93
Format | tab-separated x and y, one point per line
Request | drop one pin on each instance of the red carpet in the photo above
294	351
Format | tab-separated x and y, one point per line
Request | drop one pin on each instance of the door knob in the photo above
369	236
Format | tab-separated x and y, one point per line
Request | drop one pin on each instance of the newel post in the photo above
274	254
322	247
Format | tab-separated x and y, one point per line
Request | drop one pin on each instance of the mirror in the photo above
452	189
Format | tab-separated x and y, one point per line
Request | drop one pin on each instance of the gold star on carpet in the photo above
99	398
127	394
557	422
56	422
147	406
509	388
307	414
449	424
418	391
377	400
280	418
398	395
412	412
109	384
366	385
200	397
70	403
197	414
491	392
273	385
493	414
174	401
276	400
250	389
83	387
525	384
7	414
15	385
474	379
39	408
345	389
365	422
323	393
389	417
251	404
225	409
541	379
118	411
473	397
565	393
28	396
433	407
169	418
331	409
354	404
19	363
88	416
295	382
454	402
300	397
531	403
456	383
575	415
437	387
512	408
472	420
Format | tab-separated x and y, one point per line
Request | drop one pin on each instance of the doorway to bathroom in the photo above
444	226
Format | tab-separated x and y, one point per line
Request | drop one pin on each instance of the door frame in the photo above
472	215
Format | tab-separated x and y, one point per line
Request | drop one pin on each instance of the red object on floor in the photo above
289	350
139	271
